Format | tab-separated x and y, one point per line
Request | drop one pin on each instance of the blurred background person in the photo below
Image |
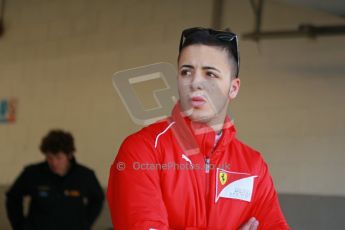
64	194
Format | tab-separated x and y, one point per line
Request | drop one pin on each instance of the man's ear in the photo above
234	88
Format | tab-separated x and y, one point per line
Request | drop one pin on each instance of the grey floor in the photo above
303	212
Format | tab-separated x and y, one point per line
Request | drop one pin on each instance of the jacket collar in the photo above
73	163
196	137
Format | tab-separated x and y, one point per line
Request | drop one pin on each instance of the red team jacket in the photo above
171	175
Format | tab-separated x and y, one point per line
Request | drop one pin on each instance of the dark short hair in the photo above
58	141
204	37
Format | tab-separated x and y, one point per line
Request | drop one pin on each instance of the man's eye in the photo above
212	75
186	72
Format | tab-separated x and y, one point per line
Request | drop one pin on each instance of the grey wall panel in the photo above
306	212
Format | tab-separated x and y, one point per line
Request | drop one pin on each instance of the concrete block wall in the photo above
58	57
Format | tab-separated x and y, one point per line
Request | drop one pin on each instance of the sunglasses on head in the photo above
225	37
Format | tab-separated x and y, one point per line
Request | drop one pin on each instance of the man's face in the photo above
59	163
204	83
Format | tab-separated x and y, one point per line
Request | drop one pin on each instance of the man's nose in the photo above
197	81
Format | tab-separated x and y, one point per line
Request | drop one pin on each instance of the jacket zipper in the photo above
207	165
207	190
207	170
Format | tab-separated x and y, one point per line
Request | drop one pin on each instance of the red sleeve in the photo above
266	207
134	194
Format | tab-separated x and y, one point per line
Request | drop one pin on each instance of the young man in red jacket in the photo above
190	171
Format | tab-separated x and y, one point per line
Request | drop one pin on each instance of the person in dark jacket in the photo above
64	194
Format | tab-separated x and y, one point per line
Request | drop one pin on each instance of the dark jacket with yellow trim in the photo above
70	202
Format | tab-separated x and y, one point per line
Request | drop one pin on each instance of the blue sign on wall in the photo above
8	110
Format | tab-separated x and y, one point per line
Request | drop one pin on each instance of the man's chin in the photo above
57	172
199	116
